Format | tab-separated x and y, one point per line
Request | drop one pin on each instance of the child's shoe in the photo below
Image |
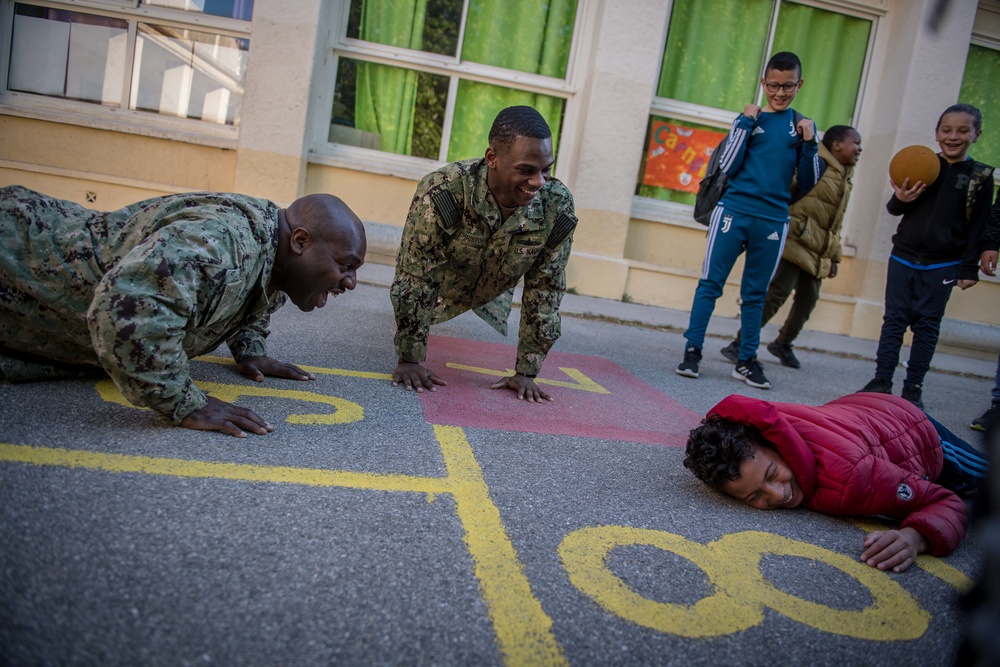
784	354
877	386
732	352
689	367
913	393
751	372
988	419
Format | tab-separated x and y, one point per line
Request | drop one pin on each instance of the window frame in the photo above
120	118
357	158
679	214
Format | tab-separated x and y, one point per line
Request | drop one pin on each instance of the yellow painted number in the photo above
741	592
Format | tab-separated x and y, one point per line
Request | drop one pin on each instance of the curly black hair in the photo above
837	133
717	448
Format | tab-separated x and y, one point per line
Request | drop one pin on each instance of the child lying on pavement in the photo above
863	454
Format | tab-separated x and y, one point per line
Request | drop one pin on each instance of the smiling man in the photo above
476	227
139	291
863	454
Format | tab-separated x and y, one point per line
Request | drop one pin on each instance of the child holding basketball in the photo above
935	248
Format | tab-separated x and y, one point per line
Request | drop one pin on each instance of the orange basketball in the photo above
917	163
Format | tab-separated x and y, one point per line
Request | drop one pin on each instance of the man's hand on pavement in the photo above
228	418
256	368
415	376
524	386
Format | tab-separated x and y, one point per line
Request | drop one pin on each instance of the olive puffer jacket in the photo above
816	219
862	454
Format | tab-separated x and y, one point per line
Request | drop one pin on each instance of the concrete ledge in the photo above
383	242
974	336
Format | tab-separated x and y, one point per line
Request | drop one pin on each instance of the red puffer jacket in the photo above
862	454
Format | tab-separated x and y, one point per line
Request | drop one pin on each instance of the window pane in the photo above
67	54
477	104
714	52
422	25
674	158
236	9
981	89
189	74
388	108
527	36
832	48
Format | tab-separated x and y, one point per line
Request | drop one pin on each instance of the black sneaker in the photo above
784	354
988	419
689	367
752	373
878	386
732	352
913	393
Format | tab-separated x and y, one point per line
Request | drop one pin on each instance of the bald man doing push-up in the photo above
141	290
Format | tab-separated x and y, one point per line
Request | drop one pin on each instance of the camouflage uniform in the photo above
457	255
137	291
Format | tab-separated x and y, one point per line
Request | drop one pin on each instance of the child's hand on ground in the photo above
906	192
895	549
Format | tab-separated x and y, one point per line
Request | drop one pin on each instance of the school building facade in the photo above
107	102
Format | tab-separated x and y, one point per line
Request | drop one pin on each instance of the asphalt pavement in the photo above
463	527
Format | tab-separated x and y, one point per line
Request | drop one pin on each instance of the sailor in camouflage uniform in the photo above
476	227
141	290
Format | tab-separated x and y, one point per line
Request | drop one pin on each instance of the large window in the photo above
714	54
981	89
145	58
425	78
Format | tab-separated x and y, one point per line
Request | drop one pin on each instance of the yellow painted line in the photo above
123	463
946	573
345	412
580	381
524	630
929	564
316	370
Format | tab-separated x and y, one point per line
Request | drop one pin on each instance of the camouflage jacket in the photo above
140	290
457	255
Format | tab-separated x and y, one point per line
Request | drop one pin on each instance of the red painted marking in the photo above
632	411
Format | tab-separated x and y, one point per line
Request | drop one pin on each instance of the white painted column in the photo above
288	37
609	131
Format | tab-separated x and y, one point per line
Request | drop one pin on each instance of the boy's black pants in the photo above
916	299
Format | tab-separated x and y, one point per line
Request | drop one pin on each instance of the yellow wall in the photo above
69	161
375	198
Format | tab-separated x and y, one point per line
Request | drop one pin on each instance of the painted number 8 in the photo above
741	593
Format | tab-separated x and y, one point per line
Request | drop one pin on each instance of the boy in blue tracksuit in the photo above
765	148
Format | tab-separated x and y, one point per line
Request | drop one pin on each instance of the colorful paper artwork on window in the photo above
678	156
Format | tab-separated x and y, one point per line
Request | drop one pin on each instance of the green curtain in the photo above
832	49
386	96
714	52
981	89
477	104
523	35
